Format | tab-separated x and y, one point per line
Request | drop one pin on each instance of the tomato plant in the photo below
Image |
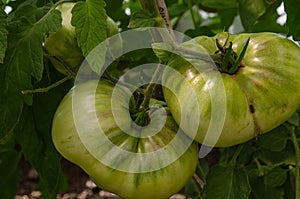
44	125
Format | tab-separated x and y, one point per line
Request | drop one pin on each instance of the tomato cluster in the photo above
254	78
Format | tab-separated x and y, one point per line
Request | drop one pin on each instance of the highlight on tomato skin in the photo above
77	112
261	93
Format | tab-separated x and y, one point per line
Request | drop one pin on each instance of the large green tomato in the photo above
260	95
77	137
62	47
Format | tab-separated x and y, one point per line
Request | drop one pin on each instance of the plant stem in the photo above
165	15
46	89
150	6
236	154
60	2
297	159
199	176
192	14
151	87
159	9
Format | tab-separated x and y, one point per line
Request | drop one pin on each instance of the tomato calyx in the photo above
227	59
141	118
138	113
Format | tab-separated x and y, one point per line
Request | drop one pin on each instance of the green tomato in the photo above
262	94
82	143
62	46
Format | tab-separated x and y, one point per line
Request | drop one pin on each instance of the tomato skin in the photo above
261	95
155	184
62	45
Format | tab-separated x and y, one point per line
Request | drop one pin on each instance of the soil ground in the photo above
79	184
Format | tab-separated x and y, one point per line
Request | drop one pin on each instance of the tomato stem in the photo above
192	14
297	160
46	89
226	58
151	6
142	118
159	9
236	154
151	87
60	2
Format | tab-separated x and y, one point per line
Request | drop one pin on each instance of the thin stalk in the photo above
200	176
192	14
163	11
151	87
199	184
159	9
297	159
259	167
168	36
236	154
199	180
60	2
46	89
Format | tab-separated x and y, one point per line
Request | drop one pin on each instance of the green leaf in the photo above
268	21
219	4
247	152
143	18
289	192
43	110
250	11
285	157
9	173
10	112
163	51
191	189
3	35
227	183
292	9
41	155
227	17
186	22
204	30
260	190
25	46
176	10
274	140
89	19
27	27
276	177
133	6
115	10
294	119
34	135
